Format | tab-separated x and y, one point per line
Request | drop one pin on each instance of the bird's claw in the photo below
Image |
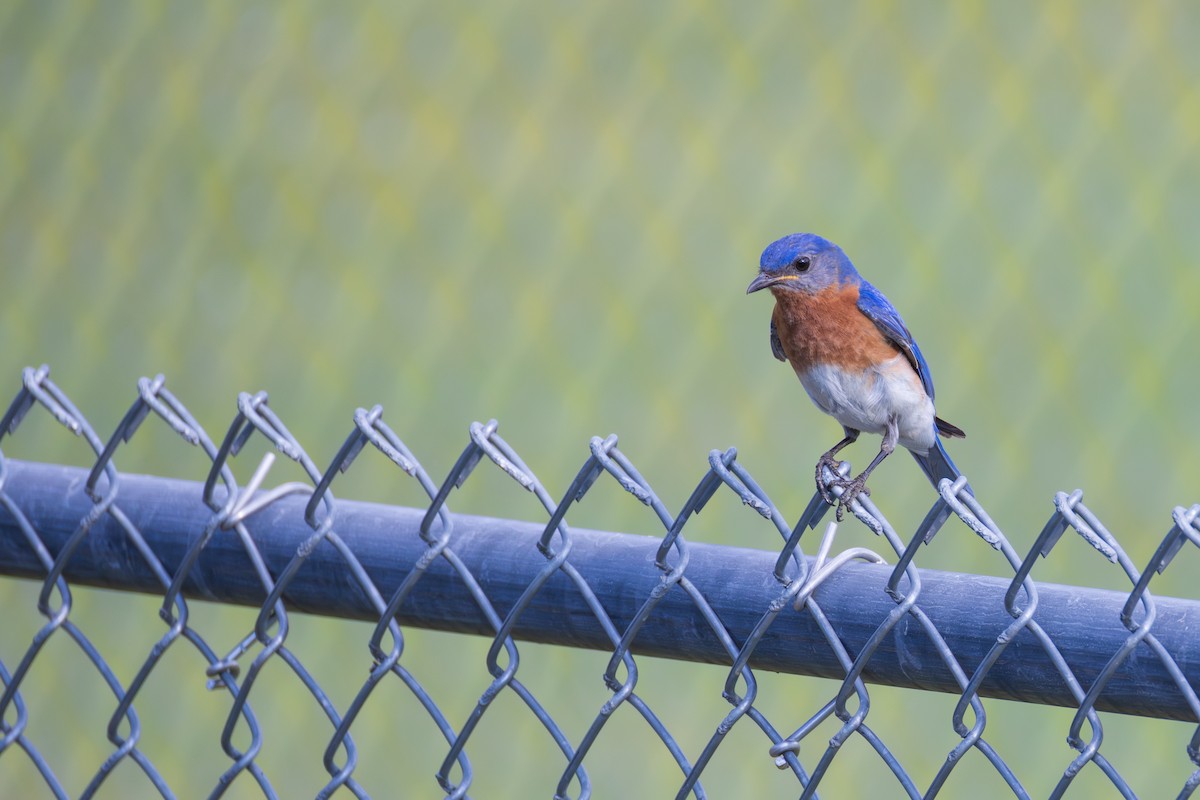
851	489
827	461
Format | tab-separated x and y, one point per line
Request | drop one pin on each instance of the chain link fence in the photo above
861	616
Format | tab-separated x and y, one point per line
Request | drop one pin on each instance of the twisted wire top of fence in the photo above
859	616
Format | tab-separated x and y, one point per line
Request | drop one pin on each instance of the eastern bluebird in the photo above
854	356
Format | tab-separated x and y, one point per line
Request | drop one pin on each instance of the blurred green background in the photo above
548	213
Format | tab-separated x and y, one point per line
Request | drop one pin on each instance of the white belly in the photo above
865	400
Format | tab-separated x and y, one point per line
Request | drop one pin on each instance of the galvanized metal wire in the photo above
792	610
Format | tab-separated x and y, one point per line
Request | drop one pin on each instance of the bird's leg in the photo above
828	460
853	488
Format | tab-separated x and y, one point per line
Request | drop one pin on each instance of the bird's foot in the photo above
851	489
827	460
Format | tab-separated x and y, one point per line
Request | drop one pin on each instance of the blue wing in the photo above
885	316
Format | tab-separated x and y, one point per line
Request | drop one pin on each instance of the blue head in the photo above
802	262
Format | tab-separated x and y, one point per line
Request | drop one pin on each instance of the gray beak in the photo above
761	281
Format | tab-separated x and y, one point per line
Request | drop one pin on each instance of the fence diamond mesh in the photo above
861	616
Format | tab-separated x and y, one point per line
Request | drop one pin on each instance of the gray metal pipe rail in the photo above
968	610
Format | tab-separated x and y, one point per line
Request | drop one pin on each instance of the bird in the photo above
855	358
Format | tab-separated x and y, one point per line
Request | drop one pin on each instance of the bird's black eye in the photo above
802	263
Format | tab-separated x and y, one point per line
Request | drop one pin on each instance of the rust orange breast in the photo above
827	328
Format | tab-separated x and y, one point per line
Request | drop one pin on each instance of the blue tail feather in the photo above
937	465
